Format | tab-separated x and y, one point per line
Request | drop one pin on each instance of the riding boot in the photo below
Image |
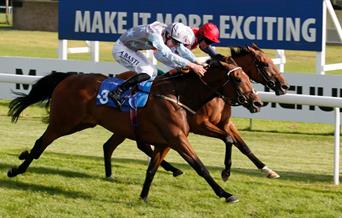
134	80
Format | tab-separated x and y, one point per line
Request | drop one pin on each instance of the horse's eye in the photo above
263	64
237	79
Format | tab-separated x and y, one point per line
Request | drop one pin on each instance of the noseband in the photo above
261	70
239	99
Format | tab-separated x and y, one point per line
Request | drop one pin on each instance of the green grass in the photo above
68	179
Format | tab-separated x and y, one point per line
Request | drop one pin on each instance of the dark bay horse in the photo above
213	119
162	123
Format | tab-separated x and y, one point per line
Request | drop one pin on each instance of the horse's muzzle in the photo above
255	106
281	89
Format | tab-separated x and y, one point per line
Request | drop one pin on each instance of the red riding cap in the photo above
210	31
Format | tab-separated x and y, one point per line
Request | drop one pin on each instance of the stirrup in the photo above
118	102
116	97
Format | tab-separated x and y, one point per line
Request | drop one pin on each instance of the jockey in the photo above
160	38
206	35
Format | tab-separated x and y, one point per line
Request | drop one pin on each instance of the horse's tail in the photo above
41	91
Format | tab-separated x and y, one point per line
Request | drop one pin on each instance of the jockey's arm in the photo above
186	53
166	56
210	51
164	53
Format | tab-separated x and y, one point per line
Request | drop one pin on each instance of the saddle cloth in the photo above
131	101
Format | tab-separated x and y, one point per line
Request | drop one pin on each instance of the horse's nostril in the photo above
285	87
257	103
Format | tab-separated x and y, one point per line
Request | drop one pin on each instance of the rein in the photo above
176	102
238	92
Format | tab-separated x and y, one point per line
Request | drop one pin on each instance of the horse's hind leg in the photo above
40	145
108	148
115	140
166	165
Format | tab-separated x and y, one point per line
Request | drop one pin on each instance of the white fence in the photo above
318	101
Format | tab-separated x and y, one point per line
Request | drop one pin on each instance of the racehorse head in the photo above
260	68
237	88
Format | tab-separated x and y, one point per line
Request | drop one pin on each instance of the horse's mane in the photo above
244	50
240	51
213	62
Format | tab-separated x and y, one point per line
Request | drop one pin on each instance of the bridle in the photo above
260	66
240	99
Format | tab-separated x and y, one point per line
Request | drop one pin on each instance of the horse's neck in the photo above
245	61
188	89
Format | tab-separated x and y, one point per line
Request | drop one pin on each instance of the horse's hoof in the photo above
177	173
11	172
225	175
144	199
270	173
273	175
109	178
232	199
24	155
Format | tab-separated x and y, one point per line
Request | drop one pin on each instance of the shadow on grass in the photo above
34	188
121	163
50	171
284	175
287	175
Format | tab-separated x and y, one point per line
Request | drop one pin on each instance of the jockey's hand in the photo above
198	69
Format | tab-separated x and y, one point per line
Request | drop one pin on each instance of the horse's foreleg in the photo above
27	157
225	174
209	129
242	146
187	152
166	165
156	159
108	147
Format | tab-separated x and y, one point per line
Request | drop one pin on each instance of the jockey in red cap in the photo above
205	36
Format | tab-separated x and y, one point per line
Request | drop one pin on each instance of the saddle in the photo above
134	98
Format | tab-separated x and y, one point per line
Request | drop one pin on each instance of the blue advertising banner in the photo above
290	24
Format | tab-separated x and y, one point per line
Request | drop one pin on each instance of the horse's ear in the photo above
230	60
222	63
255	46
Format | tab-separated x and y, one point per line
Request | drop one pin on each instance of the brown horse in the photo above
213	119
162	123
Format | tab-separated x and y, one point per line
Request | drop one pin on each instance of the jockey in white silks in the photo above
160	38
205	36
